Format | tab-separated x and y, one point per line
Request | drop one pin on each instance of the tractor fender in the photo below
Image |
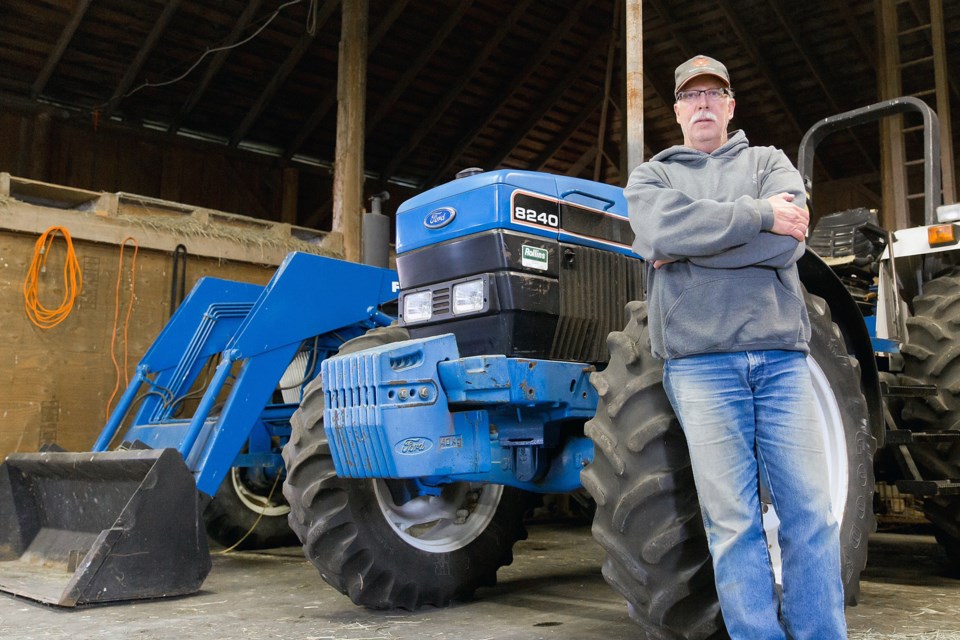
820	280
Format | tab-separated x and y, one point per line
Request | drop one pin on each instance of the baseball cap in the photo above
698	66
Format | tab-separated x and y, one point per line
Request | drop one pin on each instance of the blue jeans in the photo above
748	414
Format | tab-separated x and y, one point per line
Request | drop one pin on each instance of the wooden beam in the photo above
561	138
40	84
676	34
634	79
818	74
215	64
288	206
519	132
842	8
895	213
415	67
660	82
250	197
169	8
281	75
351	89
95	219
607	82
441	107
320	214
940	69
746	40
320	112
936	23
40	146
591	154
489	112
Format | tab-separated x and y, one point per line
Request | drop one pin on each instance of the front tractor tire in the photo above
381	551
648	518
249	512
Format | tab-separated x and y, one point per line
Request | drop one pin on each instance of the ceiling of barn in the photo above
452	83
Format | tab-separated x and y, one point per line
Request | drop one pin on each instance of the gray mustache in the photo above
703	115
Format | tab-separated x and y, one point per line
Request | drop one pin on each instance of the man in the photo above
723	224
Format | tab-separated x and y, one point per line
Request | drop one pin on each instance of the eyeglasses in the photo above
713	95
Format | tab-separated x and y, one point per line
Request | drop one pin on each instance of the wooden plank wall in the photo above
56	147
65	148
55	383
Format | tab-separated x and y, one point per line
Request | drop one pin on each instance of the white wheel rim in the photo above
254	501
440	524
830	420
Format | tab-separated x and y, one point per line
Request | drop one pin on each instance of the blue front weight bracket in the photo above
415	409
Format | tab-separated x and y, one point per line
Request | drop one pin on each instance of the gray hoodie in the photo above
732	285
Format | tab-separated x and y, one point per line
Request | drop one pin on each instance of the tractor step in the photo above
903	436
929	487
908	390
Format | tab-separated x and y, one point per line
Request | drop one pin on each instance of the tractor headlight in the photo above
468	297
418	307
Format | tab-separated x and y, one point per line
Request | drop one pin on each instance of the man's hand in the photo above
788	218
659	263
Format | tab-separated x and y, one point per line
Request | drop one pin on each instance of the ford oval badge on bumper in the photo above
439	218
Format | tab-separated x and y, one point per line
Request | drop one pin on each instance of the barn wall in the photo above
55	383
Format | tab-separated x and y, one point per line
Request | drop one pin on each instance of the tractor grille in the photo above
595	286
441	301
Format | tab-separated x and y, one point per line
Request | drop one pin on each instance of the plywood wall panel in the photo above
55	383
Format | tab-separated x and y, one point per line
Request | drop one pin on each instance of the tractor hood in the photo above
555	207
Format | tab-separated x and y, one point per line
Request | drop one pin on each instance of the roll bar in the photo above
863	115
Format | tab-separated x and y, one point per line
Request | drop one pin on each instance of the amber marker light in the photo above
942	234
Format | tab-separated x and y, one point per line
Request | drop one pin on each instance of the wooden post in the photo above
351	94
941	82
634	81
288	206
39	153
895	213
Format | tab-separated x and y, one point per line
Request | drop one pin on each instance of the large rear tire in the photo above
384	551
648	518
932	356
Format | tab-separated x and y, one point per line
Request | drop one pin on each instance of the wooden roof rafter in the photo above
746	41
521	130
444	103
283	72
213	68
818	74
563	136
66	36
169	9
312	121
493	108
415	68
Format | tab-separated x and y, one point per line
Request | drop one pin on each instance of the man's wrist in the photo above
767	217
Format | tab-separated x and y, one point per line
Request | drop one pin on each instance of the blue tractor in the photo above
509	373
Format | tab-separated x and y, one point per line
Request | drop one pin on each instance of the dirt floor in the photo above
552	590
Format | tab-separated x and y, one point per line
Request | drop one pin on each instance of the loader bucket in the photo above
84	528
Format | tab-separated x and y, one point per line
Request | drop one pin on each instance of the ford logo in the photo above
413	446
439	218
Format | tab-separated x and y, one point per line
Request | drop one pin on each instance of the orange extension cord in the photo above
72	279
126	322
